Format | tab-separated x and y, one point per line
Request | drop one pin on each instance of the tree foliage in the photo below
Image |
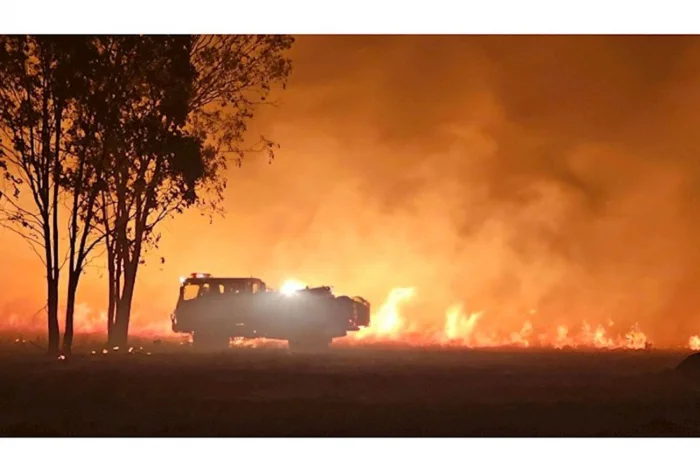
202	91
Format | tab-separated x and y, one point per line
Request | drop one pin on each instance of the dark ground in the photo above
347	392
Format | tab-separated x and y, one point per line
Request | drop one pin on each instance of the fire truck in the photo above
214	310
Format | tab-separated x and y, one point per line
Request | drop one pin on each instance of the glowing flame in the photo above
291	286
596	337
464	329
694	342
636	339
563	340
390	325
521	338
238	342
459	327
387	321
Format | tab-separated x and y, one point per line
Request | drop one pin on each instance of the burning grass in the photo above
390	327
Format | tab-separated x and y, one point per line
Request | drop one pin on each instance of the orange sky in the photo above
527	177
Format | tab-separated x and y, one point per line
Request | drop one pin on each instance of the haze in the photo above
548	179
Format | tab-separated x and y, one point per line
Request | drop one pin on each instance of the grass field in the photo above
346	392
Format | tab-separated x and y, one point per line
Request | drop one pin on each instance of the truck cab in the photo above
199	285
200	290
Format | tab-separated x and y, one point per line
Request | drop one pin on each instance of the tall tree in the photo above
136	101
40	80
95	134
61	99
201	92
155	164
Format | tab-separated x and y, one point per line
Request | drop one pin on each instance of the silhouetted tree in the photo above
42	79
122	132
98	131
155	164
198	95
63	102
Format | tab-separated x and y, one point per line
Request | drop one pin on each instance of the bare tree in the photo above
60	104
37	80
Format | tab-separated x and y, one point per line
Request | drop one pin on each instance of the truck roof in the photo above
218	279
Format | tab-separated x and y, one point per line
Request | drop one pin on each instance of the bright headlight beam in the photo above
290	287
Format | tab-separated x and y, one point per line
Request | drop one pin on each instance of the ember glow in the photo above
694	342
89	320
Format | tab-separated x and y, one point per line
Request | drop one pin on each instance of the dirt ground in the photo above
346	392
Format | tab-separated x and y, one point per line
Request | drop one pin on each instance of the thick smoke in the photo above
551	179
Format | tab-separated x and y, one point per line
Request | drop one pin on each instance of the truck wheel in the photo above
209	341
309	344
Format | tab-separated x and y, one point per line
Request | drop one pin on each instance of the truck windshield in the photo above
193	290
190	291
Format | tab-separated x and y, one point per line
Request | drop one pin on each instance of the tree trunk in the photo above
123	316
70	311
120	330
111	271
114	268
113	297
111	307
52	314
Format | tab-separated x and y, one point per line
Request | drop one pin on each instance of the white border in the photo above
356	16
347	448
